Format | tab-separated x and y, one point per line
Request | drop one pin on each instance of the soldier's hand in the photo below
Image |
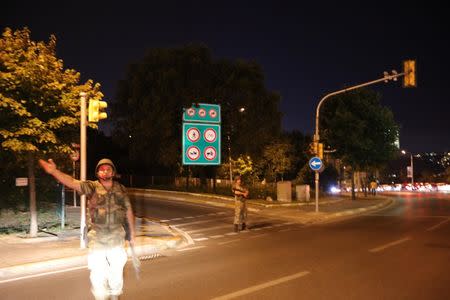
48	166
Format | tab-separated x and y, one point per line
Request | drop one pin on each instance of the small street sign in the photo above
315	163
22	181
203	113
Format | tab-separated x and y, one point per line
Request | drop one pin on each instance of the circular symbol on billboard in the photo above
210	135
193	134
210	153
202	112
190	112
193	153
213	113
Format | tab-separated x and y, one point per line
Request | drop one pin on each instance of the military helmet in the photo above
105	161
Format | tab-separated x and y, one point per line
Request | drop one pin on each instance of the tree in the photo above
151	99
363	133
39	106
279	158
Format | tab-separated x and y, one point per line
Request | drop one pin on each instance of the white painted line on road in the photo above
217	236
261	286
209	228
258	235
231	233
201	239
189	249
200	222
381	248
176	219
42	274
190	217
165	220
438	225
227	242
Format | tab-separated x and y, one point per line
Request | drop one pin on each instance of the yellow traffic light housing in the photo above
95	113
409	68
320	150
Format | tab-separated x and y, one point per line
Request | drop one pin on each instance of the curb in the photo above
357	211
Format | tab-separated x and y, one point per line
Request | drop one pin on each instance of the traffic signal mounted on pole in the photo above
409	68
313	148
95	113
320	150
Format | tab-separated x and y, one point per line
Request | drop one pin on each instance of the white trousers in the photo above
106	266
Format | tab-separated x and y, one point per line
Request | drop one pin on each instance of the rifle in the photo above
134	257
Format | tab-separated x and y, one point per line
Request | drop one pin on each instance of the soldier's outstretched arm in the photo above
51	168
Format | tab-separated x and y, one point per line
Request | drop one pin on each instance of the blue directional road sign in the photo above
315	163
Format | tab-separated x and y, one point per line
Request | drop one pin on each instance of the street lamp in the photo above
411	166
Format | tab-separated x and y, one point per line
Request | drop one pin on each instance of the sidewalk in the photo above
23	256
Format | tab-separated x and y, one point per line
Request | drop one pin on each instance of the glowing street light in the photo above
410	172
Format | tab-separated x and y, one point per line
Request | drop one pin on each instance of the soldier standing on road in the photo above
240	206
108	209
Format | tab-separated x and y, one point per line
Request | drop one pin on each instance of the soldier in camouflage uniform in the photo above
108	209
240	206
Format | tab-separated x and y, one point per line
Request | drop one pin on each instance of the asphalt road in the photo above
402	252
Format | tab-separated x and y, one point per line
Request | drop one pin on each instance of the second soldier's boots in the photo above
243	226
236	228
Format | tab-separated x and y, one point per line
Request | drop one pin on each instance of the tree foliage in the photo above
151	99
363	133
39	106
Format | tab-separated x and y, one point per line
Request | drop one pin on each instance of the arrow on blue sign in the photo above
315	163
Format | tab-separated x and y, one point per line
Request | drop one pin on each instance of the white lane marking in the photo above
231	233
261	286
201	239
217	236
438	225
176	219
258	235
190	217
165	220
42	274
203	221
209	228
381	248
189	249
227	242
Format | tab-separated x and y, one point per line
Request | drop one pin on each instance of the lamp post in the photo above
230	130
386	77
411	166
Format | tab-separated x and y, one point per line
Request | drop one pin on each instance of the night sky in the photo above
306	50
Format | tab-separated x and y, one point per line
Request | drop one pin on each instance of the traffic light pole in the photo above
385	78
83	169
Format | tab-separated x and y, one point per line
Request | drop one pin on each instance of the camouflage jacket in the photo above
238	188
106	213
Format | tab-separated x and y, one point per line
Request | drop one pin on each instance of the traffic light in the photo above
409	68
320	150
313	148
95	114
